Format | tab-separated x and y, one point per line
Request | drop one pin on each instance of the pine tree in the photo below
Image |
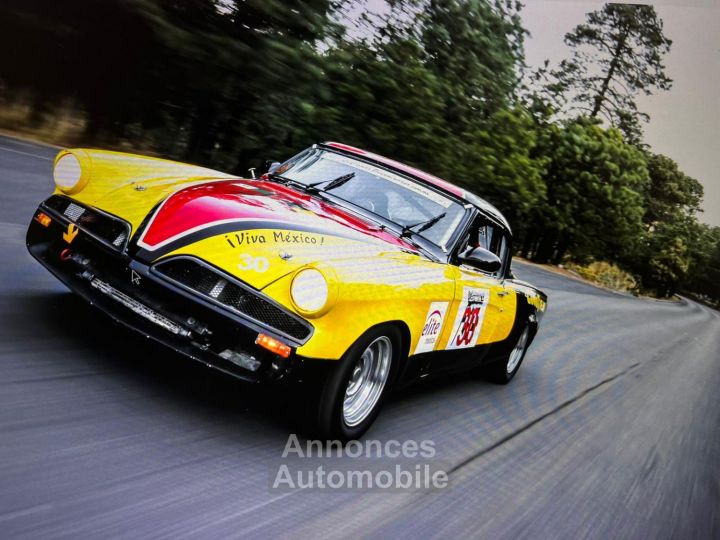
617	55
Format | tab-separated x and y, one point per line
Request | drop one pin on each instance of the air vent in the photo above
110	230
208	282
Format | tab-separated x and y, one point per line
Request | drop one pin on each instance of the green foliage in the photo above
473	47
673	241
703	278
670	191
501	161
594	206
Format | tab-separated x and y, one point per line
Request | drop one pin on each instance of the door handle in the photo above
503	293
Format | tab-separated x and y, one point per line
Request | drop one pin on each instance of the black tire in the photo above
502	372
330	421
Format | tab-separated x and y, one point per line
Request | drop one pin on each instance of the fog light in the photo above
43	219
273	345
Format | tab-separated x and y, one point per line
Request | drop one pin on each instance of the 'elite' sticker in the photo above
469	319
432	327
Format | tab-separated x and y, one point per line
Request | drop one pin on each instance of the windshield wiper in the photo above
280	177
332	184
424	225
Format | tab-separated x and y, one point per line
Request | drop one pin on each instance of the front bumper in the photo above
135	296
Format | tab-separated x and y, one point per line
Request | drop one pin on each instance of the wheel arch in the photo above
402	327
405	340
525	314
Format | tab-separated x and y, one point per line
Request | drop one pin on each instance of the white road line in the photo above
30	143
26	153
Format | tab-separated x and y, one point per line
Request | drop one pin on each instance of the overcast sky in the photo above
685	121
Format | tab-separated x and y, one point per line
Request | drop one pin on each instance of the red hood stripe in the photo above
215	204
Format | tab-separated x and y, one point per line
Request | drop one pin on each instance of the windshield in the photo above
383	192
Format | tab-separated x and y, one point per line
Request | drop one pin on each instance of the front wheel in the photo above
352	394
503	371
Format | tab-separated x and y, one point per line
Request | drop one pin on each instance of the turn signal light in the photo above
43	219
273	345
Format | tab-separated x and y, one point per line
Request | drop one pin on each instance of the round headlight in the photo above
67	172
309	290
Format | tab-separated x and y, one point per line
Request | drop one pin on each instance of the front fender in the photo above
368	296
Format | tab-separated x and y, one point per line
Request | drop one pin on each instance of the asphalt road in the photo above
610	430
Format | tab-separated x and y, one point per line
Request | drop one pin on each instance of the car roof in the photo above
480	203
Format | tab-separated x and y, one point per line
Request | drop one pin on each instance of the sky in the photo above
684	121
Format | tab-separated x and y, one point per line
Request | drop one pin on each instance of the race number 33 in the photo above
469	324
469	319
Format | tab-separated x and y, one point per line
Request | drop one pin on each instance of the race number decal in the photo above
469	319
432	327
256	264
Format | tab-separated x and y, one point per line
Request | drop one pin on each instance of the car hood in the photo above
259	230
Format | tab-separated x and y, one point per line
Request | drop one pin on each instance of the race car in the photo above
339	269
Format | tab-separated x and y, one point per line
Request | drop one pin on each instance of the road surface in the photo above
611	429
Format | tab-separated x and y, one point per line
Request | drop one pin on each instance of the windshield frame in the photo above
440	252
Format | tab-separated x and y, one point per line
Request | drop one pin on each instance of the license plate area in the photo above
139	308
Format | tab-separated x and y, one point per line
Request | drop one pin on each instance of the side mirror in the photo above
481	258
270	166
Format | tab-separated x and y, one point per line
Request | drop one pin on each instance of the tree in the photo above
617	55
475	48
594	204
267	71
668	253
382	97
703	276
673	243
502	162
670	191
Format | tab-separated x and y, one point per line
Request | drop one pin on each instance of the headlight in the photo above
67	172
309	290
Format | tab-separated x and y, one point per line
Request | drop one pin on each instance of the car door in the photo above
483	309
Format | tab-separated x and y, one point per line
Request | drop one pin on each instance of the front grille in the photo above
239	297
110	230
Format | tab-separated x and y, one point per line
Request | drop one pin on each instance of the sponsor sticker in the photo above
432	327
469	318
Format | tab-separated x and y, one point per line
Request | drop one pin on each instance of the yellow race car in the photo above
339	268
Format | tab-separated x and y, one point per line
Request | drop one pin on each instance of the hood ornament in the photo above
284	255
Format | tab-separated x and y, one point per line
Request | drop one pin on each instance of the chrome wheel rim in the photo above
517	353
367	381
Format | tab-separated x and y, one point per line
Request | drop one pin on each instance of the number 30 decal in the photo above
256	264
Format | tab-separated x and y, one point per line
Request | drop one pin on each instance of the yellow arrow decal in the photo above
71	233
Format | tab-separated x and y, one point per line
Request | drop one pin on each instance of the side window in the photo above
503	246
479	235
487	236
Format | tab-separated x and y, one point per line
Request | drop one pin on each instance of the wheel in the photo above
503	371
353	393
